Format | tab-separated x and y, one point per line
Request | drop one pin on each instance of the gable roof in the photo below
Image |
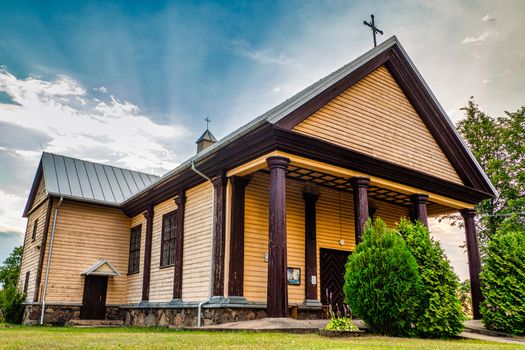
87	181
303	104
207	136
101	268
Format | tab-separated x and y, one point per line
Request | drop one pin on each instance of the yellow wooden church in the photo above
258	223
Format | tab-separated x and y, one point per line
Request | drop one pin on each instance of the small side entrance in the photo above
332	277
94	299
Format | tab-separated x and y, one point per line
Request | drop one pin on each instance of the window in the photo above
134	249
26	282
35	227
169	229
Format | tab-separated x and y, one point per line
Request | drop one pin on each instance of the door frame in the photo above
88	301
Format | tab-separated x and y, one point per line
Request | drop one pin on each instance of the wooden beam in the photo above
310	228
474	261
277	295
419	208
360	191
180	201
219	234
147	254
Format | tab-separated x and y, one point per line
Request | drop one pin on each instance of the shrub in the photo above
503	281
382	283
341	324
440	313
11	304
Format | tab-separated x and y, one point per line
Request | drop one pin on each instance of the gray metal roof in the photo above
93	182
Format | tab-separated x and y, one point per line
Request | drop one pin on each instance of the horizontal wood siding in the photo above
134	294
41	194
161	282
31	251
390	213
375	117
85	234
197	243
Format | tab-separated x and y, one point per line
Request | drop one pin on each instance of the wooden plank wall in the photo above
134	293
41	193
31	249
84	234
335	220
375	117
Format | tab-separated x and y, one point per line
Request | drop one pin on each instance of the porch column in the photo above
236	275
219	235
147	253
474	262
419	208
277	295
310	228
180	200
360	189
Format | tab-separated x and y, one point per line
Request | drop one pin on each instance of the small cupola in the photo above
207	139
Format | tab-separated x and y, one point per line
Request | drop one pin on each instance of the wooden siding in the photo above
161	282
134	294
85	234
390	213
375	117
197	243
41	194
32	249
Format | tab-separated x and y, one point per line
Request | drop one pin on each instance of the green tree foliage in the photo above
382	283
503	280
11	300
499	146
440	313
10	269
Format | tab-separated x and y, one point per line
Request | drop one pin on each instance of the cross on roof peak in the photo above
208	121
375	30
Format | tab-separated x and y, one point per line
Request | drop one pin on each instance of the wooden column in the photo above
219	235
360	189
474	261
310	229
236	275
147	254
277	296
180	200
419	208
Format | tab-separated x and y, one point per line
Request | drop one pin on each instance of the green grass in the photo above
162	338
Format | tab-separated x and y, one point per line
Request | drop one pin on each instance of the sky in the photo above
130	83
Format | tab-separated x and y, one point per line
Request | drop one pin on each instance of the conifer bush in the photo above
503	281
440	313
382	282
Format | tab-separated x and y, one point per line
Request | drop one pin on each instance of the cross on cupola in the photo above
375	30
208	121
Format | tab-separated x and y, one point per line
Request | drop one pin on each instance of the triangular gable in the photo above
38	189
374	117
101	268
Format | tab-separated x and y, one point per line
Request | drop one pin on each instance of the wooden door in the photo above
94	300
332	277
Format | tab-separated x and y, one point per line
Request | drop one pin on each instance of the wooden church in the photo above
258	224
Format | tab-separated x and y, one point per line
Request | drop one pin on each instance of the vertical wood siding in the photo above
31	251
375	117
197	243
84	234
134	294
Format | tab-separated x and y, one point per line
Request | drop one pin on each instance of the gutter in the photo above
49	260
207	301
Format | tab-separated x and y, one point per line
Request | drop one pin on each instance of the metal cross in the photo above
208	121
375	30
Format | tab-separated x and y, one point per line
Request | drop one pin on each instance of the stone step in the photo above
94	323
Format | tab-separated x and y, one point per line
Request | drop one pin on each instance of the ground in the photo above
161	338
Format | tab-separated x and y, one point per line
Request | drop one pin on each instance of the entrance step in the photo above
95	323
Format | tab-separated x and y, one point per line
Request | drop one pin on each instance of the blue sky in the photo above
129	83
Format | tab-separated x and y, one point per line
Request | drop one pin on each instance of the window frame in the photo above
35	228
26	282
134	248
168	240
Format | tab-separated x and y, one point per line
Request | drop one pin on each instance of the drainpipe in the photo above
199	309
49	261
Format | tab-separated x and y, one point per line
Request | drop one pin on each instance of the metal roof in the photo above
88	181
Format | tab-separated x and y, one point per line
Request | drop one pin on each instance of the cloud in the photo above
243	48
471	39
488	18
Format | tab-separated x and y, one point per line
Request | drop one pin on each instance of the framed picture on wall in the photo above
294	276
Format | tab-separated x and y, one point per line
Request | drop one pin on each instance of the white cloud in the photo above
488	18
101	89
471	39
11	208
485	81
262	56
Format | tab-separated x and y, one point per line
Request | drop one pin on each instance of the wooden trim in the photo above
137	228
172	213
419	208
146	276
310	254
236	268
34	189
474	261
219	234
43	244
360	188
277	294
180	201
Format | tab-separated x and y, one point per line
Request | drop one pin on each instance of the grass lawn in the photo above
162	338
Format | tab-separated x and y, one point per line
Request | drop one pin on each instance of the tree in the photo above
11	300
10	268
440	313
382	283
499	146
